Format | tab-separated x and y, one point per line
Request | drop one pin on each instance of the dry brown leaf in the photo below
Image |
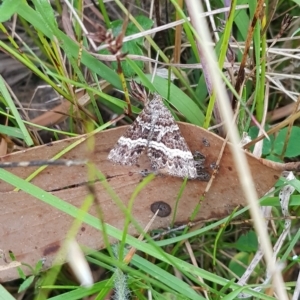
62	111
33	230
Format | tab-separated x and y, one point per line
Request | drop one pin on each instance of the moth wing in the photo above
167	148
131	145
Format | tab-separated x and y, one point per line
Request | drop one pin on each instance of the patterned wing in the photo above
132	144
167	149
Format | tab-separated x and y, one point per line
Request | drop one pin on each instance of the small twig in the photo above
39	163
241	73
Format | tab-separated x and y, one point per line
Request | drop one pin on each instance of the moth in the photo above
155	131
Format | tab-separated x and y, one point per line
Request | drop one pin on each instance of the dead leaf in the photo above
33	230
62	111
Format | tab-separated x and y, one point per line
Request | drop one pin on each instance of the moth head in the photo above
139	92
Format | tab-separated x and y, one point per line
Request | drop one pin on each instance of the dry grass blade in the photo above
241	73
242	166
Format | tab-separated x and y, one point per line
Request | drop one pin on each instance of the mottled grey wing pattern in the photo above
155	129
132	144
167	149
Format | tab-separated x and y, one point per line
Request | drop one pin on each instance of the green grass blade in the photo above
168	279
70	47
8	8
11	131
5	295
10	103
